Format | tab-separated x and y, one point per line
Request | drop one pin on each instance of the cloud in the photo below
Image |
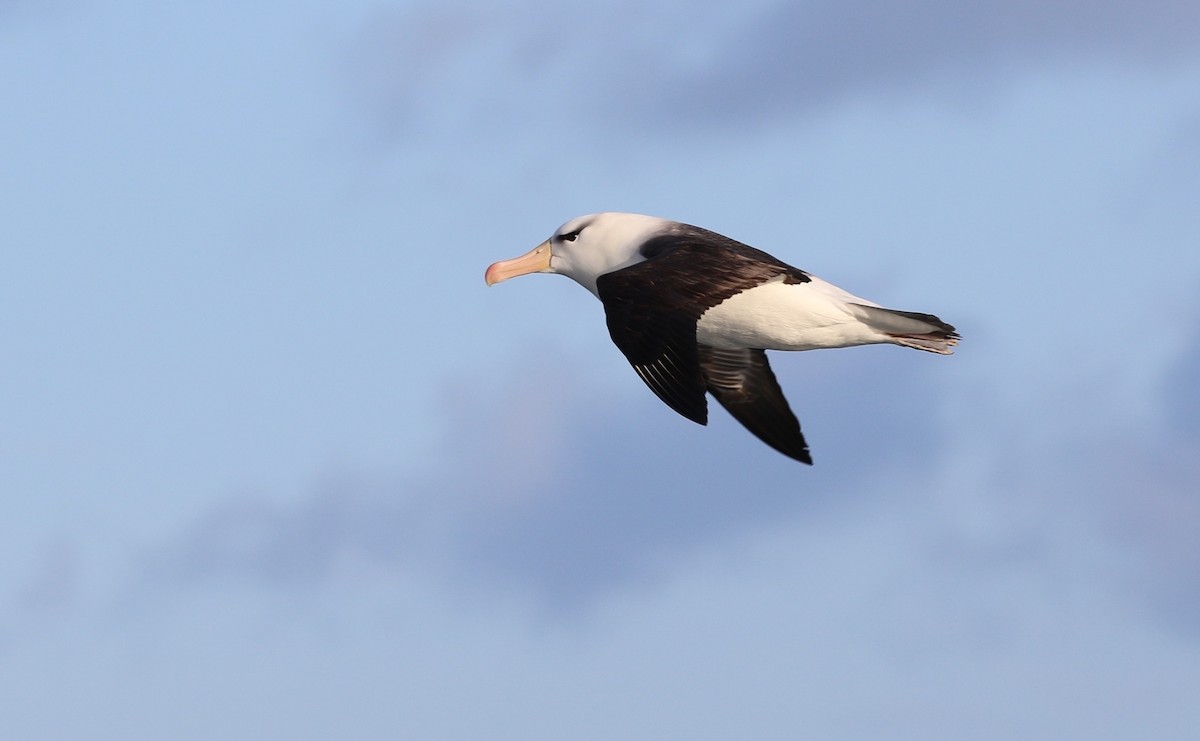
397	60
799	57
1180	392
922	544
1154	483
54	585
1138	492
665	67
1087	495
566	497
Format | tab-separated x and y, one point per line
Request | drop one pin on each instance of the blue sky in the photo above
277	464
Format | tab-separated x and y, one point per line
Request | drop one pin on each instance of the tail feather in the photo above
910	328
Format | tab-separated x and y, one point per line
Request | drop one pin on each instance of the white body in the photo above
788	316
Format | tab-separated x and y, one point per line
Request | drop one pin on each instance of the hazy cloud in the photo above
1157	486
397	61
54	585
1181	390
1147	492
639	66
800	56
566	498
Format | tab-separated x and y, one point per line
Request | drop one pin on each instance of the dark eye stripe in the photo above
570	236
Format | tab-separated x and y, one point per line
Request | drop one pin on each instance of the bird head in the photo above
584	248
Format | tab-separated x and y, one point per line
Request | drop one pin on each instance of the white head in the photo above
584	248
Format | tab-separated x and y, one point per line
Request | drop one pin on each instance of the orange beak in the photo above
536	260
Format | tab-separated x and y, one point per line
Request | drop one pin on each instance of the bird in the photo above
694	312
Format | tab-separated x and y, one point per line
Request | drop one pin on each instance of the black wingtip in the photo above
780	429
802	455
790	448
742	381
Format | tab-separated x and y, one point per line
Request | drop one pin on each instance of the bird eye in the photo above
570	236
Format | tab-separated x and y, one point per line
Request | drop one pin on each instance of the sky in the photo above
276	464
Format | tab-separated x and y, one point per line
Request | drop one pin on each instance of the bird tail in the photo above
909	328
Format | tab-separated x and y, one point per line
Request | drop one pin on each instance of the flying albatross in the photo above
694	311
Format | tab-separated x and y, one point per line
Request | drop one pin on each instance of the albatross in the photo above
694	312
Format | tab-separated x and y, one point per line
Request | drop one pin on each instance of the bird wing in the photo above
660	344
742	381
652	307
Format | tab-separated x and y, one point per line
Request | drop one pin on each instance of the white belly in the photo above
787	316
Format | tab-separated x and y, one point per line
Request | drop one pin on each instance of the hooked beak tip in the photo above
536	260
